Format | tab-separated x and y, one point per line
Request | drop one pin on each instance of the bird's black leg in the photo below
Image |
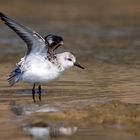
39	92
33	93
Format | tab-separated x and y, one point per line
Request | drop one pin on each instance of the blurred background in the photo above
102	29
105	37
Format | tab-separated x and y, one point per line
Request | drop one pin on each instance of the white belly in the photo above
39	76
40	73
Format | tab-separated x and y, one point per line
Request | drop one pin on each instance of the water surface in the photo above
102	101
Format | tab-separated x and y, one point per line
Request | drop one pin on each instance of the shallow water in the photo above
102	101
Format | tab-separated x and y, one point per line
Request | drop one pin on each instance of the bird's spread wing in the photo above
35	43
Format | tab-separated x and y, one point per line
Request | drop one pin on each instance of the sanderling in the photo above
39	65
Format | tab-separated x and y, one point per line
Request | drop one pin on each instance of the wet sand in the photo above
103	100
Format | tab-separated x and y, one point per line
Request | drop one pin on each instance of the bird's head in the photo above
67	60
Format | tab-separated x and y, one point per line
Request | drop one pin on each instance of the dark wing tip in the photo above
2	15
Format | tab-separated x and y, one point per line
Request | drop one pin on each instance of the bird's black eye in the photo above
69	59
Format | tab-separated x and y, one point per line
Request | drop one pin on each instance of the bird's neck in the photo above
57	62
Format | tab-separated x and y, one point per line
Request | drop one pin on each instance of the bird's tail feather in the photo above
14	77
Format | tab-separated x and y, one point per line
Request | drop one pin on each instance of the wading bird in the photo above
39	65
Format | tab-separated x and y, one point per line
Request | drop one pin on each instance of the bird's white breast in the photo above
39	70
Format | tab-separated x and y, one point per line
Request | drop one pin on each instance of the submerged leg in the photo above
39	92
33	93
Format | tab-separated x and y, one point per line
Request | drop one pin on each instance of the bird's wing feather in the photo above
35	43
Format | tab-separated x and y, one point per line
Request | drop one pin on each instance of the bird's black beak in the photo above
78	65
